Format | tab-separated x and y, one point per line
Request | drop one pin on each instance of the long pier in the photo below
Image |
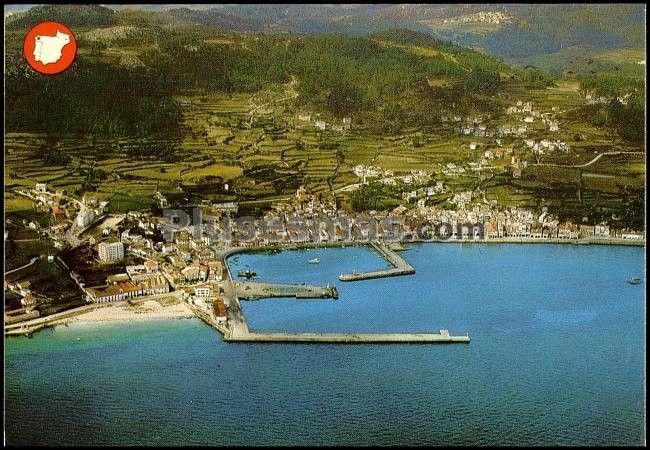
253	290
400	266
351	338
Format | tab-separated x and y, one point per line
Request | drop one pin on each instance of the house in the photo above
41	187
304	117
151	266
633	235
152	284
517	168
536	231
567	231
409	195
219	309
58	214
168	248
320	124
215	271
586	230
492	229
529	119
601	230
193	273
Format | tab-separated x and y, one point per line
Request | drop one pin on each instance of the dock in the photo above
443	337
400	266
249	290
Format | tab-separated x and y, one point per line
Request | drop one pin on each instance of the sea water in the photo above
557	357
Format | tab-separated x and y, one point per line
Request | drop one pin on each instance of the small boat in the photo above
314	261
634	280
247	274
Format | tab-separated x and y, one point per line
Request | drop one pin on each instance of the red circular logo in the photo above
50	47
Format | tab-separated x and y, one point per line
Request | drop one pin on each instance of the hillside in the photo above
158	102
385	80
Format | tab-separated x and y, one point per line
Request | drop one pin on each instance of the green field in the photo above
251	146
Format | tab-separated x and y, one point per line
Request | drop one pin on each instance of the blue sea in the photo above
557	357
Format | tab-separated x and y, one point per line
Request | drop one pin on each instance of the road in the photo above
31	261
596	158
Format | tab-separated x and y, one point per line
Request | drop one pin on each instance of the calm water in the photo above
557	357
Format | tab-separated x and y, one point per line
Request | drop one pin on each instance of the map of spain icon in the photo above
50	48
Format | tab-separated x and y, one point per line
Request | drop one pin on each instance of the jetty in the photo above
400	266
256	290
443	337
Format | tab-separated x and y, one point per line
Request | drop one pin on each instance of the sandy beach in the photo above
147	310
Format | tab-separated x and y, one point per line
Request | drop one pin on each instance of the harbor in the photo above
237	329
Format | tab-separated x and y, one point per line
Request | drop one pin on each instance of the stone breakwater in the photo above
400	266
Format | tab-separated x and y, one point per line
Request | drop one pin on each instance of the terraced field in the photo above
251	147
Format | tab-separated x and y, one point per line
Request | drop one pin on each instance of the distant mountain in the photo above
71	15
518	33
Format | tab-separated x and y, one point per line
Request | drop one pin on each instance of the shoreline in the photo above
150	308
227	253
141	310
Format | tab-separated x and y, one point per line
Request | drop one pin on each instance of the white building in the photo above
110	252
202	292
85	217
601	230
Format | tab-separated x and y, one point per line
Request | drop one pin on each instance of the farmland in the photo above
240	136
234	150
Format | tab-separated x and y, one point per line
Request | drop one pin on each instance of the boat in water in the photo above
247	274
634	280
314	261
